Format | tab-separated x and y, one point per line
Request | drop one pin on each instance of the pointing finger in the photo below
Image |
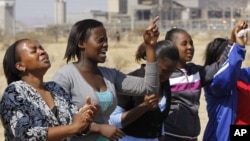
88	100
155	19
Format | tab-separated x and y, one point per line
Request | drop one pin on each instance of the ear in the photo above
81	44
20	66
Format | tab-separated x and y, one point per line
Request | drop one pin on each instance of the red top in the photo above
243	110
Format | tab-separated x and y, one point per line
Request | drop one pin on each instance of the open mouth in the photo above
103	53
46	59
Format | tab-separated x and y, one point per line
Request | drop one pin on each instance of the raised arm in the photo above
131	85
150	36
227	75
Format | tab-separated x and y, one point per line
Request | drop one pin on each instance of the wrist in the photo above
147	45
144	106
230	42
86	131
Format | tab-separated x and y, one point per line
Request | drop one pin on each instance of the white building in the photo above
7	16
60	12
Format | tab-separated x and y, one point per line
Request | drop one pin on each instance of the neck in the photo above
36	82
87	66
181	65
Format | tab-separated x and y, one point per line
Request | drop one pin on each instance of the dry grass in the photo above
121	56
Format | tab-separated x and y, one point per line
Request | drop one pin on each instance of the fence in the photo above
194	24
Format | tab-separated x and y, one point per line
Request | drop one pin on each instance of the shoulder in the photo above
54	87
193	68
17	86
14	90
68	68
108	71
138	72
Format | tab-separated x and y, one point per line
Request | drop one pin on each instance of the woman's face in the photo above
32	57
185	46
96	47
166	68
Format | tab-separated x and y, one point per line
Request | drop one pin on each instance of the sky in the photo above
37	12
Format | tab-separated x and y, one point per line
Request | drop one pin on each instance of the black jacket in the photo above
149	125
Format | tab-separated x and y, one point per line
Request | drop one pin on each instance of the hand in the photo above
94	108
151	101
111	132
240	40
85	115
151	34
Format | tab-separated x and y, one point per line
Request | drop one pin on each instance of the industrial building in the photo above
60	12
133	14
7	16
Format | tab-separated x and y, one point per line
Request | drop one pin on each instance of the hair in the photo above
10	59
171	34
214	50
163	49
80	32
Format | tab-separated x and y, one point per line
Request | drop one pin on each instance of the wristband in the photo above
86	131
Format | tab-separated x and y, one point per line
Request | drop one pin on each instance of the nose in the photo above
42	51
190	46
105	44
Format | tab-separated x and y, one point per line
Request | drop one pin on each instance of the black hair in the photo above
170	35
163	49
80	32
214	50
9	62
166	49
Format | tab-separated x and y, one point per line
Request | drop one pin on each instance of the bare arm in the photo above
150	36
150	102
80	124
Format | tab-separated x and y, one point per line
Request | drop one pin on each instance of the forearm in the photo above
150	53
130	116
60	132
229	72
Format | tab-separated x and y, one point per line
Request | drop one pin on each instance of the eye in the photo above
33	50
184	43
40	47
103	39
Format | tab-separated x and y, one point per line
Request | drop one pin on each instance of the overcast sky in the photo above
33	12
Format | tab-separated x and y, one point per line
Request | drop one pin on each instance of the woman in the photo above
88	44
35	110
141	117
221	95
183	123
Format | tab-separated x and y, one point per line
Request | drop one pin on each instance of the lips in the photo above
103	53
45	59
190	53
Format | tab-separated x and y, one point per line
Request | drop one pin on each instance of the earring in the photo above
24	70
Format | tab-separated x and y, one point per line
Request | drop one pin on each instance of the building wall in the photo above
189	3
60	12
113	6
7	16
123	6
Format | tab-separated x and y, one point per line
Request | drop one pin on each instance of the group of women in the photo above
158	101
